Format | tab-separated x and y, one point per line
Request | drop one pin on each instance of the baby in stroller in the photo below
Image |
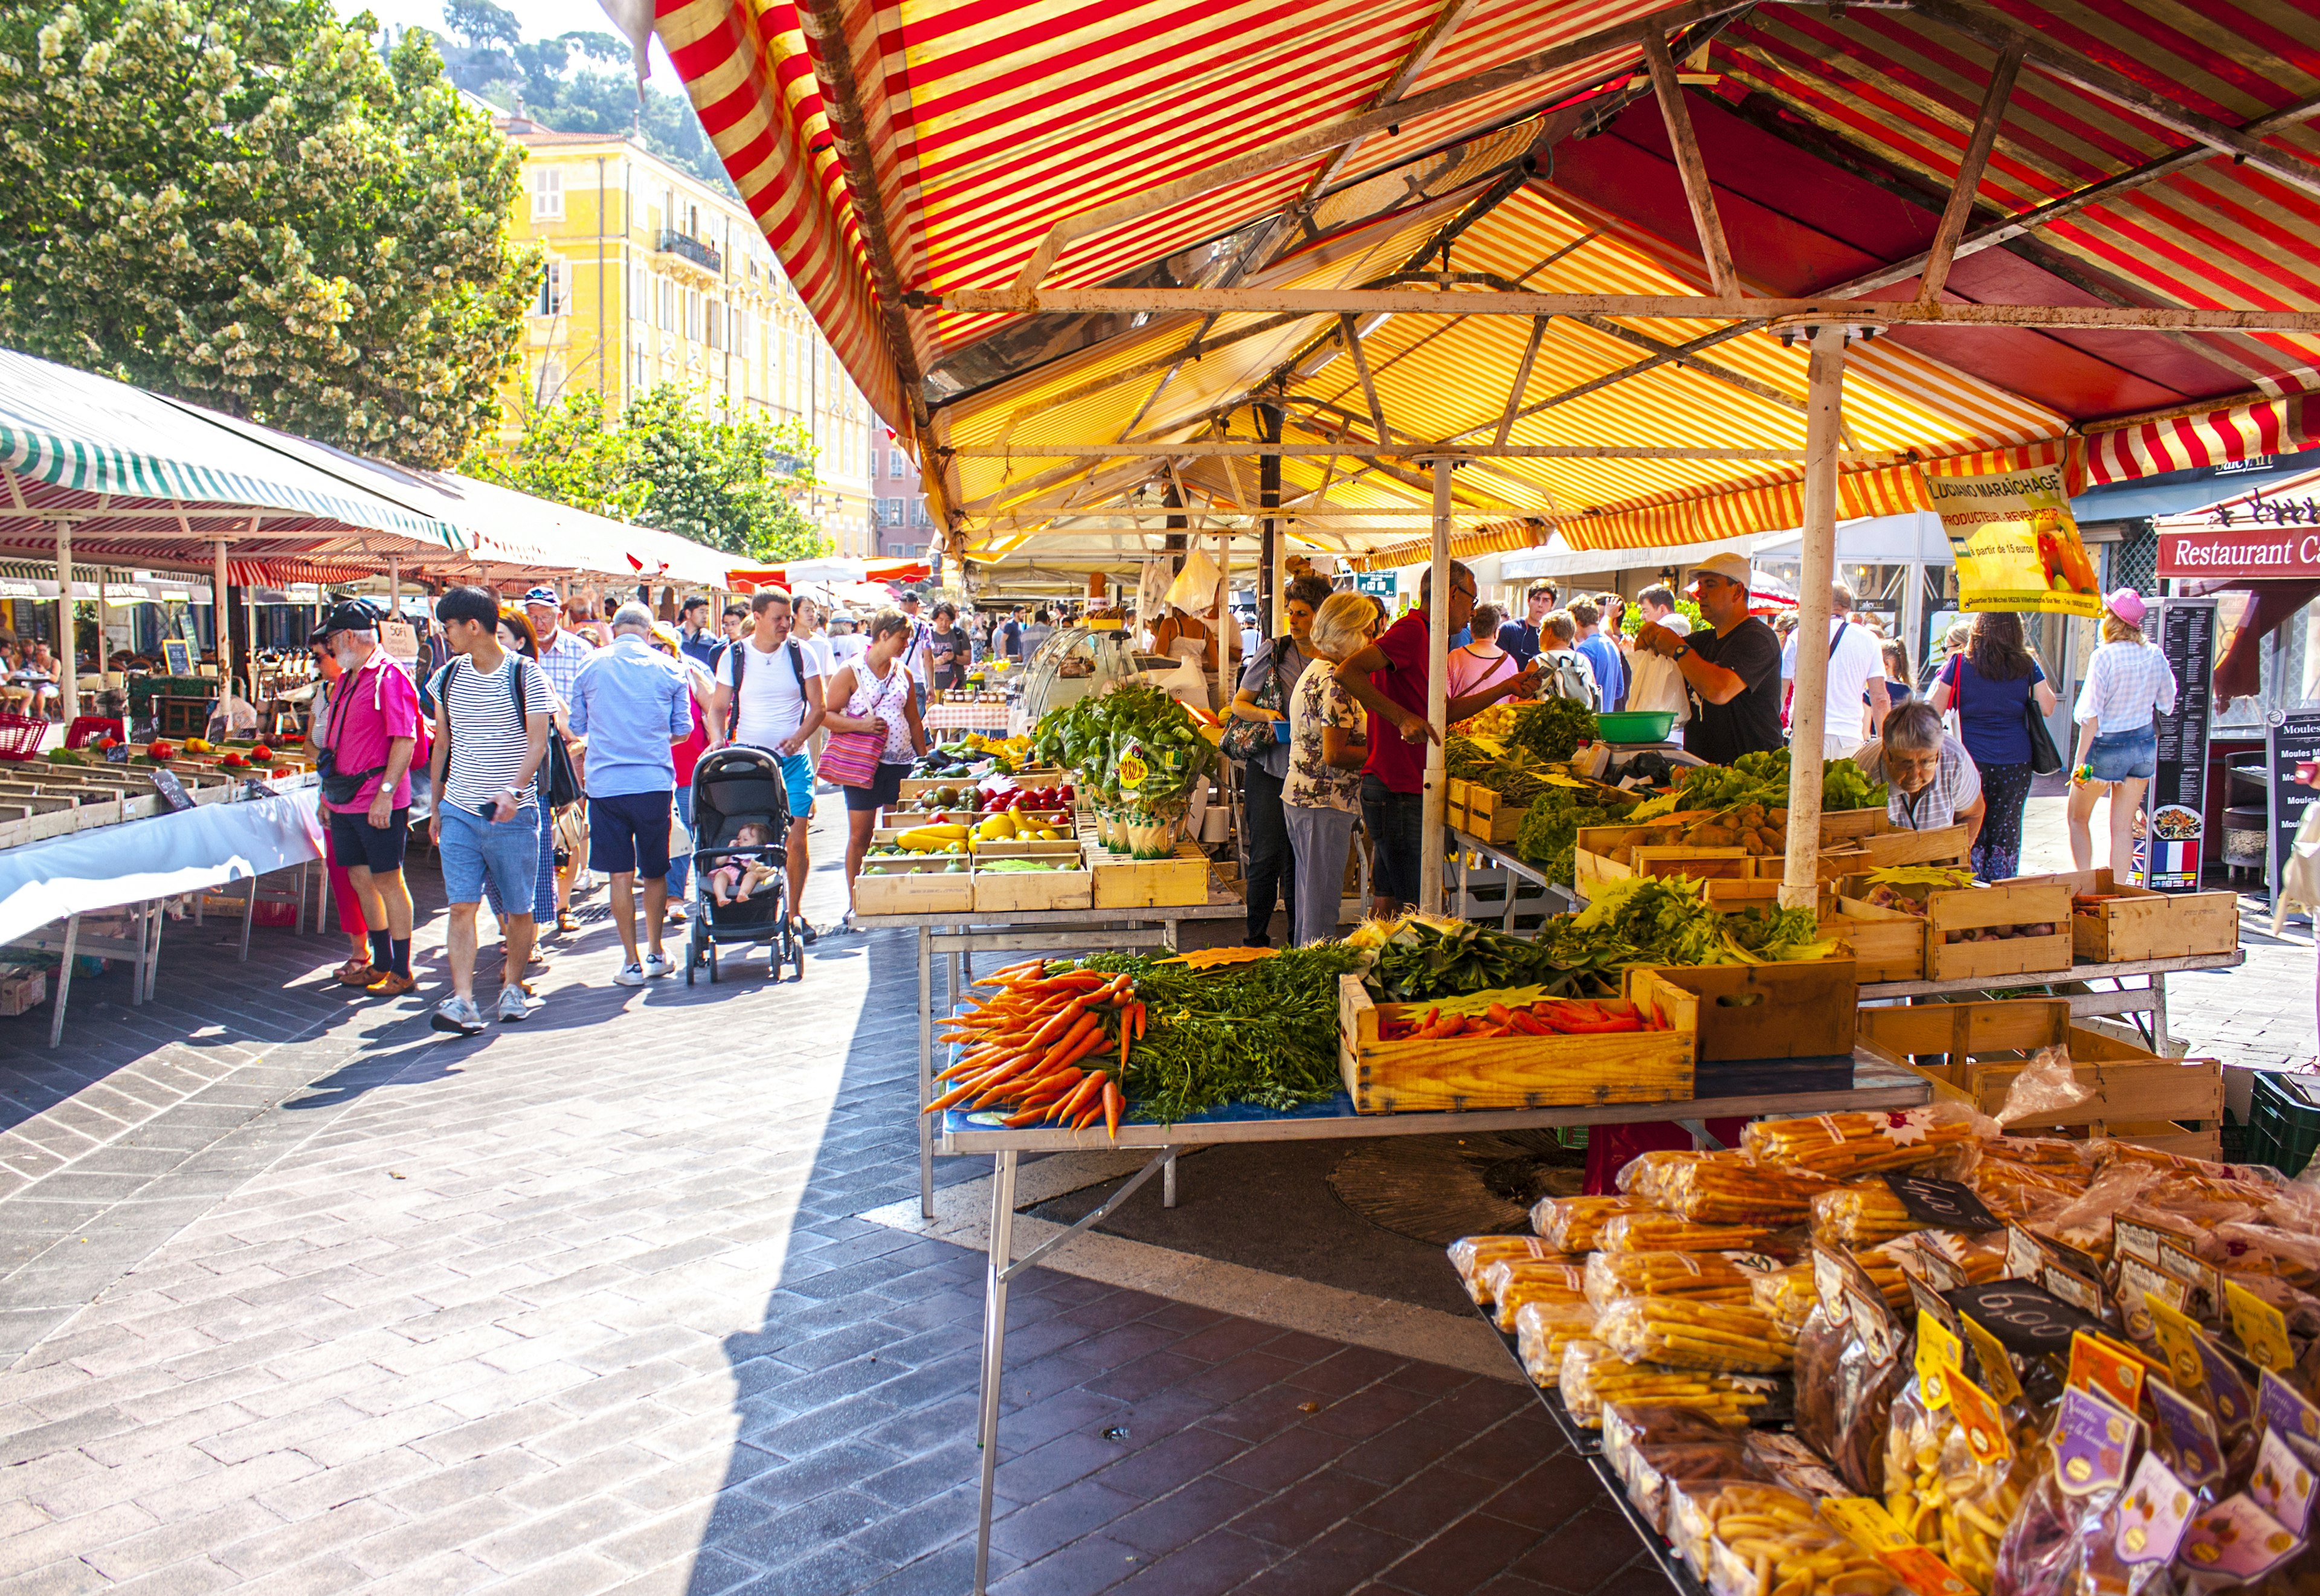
733	881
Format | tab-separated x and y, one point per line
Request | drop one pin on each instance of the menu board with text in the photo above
2177	806
2291	739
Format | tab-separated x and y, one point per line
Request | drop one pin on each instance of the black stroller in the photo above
732	788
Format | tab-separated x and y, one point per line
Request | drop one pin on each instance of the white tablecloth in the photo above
41	883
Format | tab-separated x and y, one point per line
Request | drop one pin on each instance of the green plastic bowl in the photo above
1635	726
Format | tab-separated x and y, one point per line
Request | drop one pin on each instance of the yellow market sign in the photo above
2015	542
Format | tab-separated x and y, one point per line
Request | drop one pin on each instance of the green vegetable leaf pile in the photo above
1552	729
1549	836
1764	778
1133	725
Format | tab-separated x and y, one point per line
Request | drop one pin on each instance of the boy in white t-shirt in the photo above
778	709
1856	674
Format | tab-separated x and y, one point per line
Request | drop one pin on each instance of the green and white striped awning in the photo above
85	434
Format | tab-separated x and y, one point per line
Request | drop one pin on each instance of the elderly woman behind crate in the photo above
1929	778
1328	744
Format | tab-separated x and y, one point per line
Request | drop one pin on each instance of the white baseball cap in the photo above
1731	567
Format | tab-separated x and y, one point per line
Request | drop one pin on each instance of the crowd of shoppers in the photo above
1993	685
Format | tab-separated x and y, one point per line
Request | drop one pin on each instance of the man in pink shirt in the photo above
371	733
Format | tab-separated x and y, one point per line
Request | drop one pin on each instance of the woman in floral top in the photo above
1328	744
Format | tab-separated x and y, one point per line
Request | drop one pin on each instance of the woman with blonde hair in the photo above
1328	744
875	689
2128	685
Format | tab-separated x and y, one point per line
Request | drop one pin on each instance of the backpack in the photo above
1561	676
740	657
559	781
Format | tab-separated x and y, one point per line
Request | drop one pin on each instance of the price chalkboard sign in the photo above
173	791
2177	801
2023	1318
2291	739
1943	1204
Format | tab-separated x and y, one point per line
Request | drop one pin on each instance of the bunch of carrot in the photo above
1545	1018
1027	1048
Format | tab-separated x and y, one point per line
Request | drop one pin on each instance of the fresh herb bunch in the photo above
1264	1032
1099	734
1775	934
1549	836
1464	758
1764	778
1551	729
1421	958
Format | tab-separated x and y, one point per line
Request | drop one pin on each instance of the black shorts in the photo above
630	834
355	842
885	788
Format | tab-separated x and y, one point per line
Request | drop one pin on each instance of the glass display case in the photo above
1072	662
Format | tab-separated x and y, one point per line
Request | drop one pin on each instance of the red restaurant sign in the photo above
2240	551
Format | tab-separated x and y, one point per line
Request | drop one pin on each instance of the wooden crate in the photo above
1503	1072
1490	817
1853	823
2142	923
913	886
1883	850
1454	803
1032	848
1887	945
1970	908
1980	1047
1009	891
1800	1009
1122	883
912	787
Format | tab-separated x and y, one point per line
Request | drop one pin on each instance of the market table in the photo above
1877	1084
960	936
1557	898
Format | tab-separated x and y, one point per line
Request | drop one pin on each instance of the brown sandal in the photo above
357	972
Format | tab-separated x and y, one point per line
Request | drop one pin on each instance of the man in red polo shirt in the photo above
372	730
1389	679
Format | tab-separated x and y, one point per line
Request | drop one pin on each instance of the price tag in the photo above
2200	1369
2285	1410
1924	1260
118	754
1923	1574
173	791
2178	1261
2187	1435
1927	1300
2085	1265
1829	1282
2025	1317
2151	1514
2074	1288
1940	1352
2282	1482
2236	1541
2099	1366
1863	1520
2132	1239
2262	1328
2092	1442
1873	1325
2024	1256
2137	1279
1997	1365
1978	1418
1943	1204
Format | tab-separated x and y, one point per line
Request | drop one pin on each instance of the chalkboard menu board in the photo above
2178	802
2290	740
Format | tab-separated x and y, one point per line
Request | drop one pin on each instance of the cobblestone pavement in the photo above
300	1297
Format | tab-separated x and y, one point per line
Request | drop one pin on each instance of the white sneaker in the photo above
458	1015
658	964
513	1005
630	976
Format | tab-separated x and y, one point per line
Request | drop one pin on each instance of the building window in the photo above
898	462
554	288
715	329
919	513
548	195
667	304
551	380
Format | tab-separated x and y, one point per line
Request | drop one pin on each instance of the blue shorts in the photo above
507	852
797	777
2124	756
629	834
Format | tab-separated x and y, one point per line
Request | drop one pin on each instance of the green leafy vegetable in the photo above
1552	729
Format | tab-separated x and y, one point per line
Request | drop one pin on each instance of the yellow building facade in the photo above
653	276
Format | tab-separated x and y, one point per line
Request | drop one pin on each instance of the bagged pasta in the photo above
1691	1333
1574	1224
2076	1483
1475	1254
1785	1295
1860	1213
1543	1331
1719	1188
1593	1374
1847	1370
1758	1539
1845	1145
1707	1276
1656	1451
1647	1231
1515	1281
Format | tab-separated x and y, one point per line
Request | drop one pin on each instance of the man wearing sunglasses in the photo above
1732	665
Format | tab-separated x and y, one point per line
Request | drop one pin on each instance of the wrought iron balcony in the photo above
706	256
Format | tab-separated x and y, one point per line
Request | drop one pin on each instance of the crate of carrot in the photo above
1045	1049
1515	1048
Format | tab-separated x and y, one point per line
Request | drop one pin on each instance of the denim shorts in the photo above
506	851
2124	756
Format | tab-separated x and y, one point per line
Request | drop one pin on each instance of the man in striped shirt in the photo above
562	653
492	709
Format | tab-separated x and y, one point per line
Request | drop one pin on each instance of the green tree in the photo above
242	203
730	482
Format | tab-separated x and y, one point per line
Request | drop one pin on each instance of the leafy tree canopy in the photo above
241	202
665	462
575	83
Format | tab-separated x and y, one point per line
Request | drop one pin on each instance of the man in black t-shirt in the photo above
1732	665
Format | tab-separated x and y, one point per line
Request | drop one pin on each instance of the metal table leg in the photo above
994	1348
153	951
249	914
1168	1181
926	1072
63	981
144	917
2158	1013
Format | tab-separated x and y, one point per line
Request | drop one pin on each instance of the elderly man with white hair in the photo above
629	701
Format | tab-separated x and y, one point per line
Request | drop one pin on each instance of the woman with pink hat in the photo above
2128	684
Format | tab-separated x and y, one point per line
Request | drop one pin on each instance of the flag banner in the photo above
2016	544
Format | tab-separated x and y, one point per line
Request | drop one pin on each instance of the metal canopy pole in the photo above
1437	700
1824	418
68	666
218	612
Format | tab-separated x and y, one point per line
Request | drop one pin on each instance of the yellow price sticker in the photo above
2179	1340
1984	1426
1863	1520
2262	1328
1997	1367
1940	1353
